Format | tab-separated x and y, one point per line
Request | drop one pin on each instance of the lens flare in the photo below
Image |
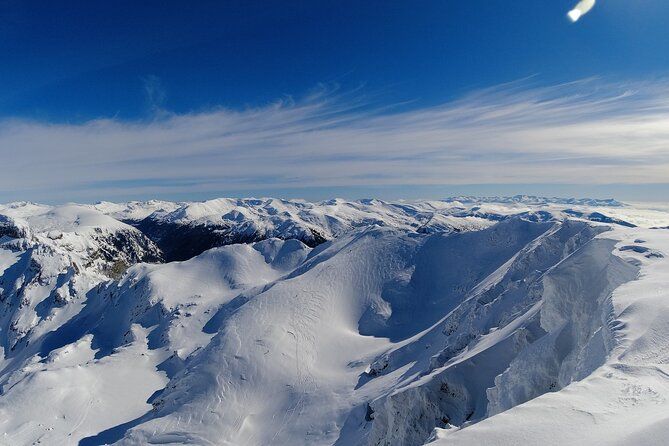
580	9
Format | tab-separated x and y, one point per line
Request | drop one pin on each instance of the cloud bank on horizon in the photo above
586	132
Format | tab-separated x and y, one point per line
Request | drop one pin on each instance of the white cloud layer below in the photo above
587	132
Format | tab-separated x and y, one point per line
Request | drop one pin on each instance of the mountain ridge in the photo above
384	333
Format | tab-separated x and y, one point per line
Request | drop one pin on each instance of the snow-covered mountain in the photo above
187	229
183	230
461	321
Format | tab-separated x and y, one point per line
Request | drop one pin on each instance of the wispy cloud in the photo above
584	132
155	94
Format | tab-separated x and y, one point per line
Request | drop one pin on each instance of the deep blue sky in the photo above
66	65
78	60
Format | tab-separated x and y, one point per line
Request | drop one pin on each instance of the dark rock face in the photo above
9	228
601	218
129	246
179	242
122	249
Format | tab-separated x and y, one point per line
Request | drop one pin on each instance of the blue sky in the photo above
126	99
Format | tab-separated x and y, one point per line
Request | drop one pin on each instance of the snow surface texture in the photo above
462	321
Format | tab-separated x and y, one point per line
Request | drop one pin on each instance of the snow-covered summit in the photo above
134	210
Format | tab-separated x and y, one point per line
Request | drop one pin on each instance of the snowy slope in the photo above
622	402
456	321
50	258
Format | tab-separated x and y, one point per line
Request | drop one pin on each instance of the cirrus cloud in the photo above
585	132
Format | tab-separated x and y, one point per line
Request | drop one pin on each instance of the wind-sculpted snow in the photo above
393	329
621	388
